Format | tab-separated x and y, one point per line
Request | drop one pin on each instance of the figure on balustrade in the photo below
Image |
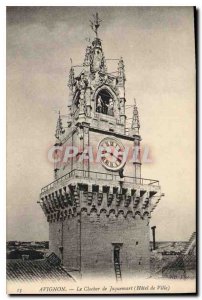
100	105
105	107
110	108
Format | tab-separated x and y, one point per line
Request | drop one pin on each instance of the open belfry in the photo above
99	207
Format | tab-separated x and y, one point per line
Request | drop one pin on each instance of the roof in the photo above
191	245
37	270
185	261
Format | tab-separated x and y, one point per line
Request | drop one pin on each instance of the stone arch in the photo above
93	215
129	214
93	210
103	217
138	214
84	211
120	212
112	211
146	215
112	215
120	216
103	210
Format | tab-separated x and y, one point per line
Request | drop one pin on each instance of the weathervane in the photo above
95	24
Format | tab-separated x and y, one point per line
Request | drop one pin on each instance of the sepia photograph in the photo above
101	150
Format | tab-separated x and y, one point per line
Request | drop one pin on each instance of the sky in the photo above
157	46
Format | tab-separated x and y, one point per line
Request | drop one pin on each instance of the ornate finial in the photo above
135	121
59	127
71	77
121	71
134	102
95	24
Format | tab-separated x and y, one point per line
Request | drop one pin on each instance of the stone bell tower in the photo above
99	206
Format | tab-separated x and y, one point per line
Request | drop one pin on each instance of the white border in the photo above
3	5
100	3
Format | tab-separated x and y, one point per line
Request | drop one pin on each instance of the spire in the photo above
135	126
121	71
59	127
71	78
95	24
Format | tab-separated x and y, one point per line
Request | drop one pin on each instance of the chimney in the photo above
153	235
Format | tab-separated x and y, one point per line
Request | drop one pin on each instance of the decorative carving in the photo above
100	105
80	132
95	23
71	81
103	67
59	128
135	126
88	56
121	72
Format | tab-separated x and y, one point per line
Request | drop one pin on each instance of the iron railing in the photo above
98	176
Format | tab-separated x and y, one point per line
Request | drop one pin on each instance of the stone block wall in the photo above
88	244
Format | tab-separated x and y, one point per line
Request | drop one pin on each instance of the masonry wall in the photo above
71	243
98	233
95	255
55	237
66	236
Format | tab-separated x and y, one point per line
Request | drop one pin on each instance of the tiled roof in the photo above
191	244
36	270
184	262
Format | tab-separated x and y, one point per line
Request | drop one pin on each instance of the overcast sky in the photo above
157	45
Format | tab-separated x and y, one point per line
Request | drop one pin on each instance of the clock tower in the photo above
99	206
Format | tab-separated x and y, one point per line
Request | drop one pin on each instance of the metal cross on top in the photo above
95	24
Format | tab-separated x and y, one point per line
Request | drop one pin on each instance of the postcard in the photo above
101	150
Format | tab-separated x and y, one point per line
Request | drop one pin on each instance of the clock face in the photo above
111	154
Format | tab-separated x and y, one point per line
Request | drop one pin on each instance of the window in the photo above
105	103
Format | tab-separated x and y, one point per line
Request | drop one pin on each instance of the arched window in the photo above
105	103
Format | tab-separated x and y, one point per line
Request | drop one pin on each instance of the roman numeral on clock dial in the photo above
112	154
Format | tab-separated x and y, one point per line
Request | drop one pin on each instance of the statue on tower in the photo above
95	53
100	105
95	24
110	108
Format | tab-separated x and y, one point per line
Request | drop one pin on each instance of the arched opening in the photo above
105	103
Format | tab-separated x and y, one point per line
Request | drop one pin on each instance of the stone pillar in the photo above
82	106
88	101
136	159
86	163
